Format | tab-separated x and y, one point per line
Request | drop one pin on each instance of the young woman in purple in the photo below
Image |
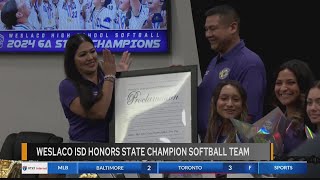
293	79
86	93
229	100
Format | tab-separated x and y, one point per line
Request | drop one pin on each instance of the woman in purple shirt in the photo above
293	79
86	93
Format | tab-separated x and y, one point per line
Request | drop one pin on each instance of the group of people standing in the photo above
234	86
82	14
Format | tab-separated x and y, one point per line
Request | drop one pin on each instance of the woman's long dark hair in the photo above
213	124
8	14
304	77
86	97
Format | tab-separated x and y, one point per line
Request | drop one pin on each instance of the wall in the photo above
29	99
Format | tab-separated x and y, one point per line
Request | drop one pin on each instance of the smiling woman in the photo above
293	79
313	106
86	93
229	100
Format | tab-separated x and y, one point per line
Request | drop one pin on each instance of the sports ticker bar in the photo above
101	167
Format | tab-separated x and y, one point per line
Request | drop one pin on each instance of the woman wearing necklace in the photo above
293	79
229	100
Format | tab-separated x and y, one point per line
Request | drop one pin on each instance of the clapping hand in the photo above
125	62
108	63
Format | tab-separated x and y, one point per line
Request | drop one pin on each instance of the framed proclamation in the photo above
155	106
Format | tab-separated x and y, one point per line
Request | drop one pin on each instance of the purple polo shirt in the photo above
240	64
83	129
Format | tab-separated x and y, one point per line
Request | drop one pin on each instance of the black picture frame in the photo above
158	71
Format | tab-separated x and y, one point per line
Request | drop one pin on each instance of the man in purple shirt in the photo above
234	61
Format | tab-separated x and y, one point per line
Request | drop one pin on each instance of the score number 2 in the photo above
149	167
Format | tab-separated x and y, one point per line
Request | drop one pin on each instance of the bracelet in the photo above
110	78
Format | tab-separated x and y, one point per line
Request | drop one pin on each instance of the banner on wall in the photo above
55	41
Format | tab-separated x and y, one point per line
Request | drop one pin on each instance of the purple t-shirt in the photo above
83	129
293	138
242	65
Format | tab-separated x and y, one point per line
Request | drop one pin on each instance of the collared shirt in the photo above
240	64
83	129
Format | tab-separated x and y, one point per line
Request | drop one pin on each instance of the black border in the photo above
169	70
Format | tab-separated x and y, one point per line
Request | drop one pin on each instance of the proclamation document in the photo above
153	109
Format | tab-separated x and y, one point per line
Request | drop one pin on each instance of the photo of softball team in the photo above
82	14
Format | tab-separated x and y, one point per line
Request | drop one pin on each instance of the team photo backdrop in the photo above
119	25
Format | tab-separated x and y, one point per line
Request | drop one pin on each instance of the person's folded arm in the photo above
100	107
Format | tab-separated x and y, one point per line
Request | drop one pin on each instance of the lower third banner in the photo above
151	152
277	167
